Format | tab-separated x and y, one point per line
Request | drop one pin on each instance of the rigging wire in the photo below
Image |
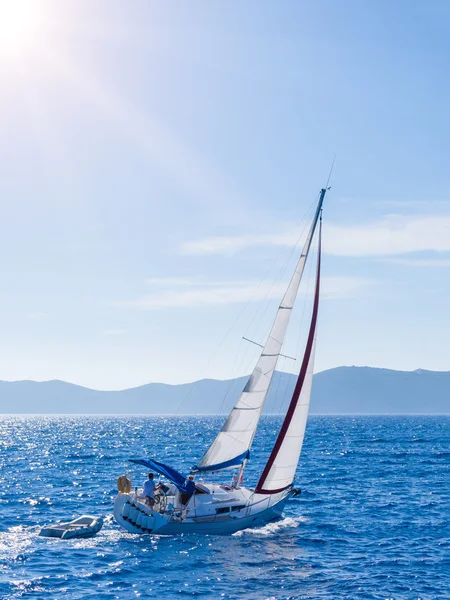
331	170
232	380
280	275
303	221
278	278
283	269
283	358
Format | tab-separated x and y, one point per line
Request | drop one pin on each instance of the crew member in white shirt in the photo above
149	490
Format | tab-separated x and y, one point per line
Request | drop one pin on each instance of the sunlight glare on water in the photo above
372	520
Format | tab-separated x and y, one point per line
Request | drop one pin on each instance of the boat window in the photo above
201	489
222	510
238	507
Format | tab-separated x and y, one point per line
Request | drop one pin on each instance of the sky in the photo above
159	160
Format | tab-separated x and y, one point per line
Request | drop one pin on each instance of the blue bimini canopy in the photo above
184	485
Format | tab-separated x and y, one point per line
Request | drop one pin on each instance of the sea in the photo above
372	521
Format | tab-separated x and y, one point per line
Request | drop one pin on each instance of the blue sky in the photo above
156	158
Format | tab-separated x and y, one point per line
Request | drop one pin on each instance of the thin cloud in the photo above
171	282
338	286
417	262
222	293
390	235
424	204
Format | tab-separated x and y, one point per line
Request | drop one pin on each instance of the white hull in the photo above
204	514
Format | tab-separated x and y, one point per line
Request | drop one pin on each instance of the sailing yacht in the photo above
188	506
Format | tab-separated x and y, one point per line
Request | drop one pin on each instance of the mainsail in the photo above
279	471
232	445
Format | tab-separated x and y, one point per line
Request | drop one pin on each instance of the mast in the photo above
232	445
279	472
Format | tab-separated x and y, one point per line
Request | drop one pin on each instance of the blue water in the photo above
372	521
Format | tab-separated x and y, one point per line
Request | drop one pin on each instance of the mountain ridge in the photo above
340	390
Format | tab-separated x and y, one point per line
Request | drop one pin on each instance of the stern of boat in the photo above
135	516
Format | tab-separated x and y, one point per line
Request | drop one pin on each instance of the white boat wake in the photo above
273	528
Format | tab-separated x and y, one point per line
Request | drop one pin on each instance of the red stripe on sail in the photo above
298	386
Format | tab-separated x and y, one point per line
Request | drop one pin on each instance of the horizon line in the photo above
174	415
133	387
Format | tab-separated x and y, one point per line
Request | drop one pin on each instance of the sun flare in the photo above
17	24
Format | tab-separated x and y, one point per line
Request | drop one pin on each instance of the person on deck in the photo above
149	490
190	489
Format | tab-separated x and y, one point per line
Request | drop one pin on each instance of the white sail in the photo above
280	469
232	444
282	472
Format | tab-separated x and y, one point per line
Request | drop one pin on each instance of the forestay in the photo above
232	444
279	471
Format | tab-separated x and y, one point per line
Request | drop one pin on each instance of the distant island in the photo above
343	390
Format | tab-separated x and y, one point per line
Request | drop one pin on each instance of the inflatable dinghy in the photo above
85	526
